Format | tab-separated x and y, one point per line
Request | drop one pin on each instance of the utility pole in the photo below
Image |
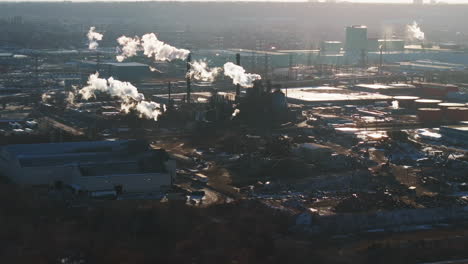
363	58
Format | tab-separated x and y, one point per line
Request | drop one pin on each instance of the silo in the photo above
406	101
427	103
445	106
457	114
429	115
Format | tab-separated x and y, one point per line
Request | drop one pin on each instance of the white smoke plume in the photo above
71	96
200	71
147	109
45	97
151	46
239	76
235	113
160	51
129	47
93	38
415	32
153	69
123	90
131	98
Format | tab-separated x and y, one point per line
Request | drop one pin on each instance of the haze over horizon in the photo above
353	1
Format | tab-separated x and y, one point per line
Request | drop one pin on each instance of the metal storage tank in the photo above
447	105
406	101
427	103
429	115
457	113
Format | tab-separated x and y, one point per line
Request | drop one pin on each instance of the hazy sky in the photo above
357	1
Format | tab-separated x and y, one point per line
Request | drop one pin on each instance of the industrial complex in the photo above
352	147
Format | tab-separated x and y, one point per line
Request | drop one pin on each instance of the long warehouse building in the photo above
130	165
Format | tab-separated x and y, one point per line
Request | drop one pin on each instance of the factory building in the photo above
436	89
391	89
387	45
356	38
430	65
124	71
129	165
331	46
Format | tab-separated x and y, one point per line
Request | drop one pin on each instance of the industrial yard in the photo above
125	143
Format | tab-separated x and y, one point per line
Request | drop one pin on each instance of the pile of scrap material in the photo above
368	202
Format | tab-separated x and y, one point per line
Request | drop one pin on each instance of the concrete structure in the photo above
320	95
90	166
430	65
356	38
391	89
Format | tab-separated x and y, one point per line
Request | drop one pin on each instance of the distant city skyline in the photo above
353	1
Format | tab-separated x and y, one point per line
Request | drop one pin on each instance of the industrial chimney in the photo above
238	85
189	59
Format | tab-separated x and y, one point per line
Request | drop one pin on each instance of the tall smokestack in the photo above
98	61
238	62
189	60
169	92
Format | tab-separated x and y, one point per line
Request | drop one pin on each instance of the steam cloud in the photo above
200	71
151	46
93	38
71	96
239	76
235	113
415	31
130	47
160	51
45	97
131	98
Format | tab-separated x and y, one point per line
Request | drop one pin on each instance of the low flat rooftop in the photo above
463	129
378	86
314	95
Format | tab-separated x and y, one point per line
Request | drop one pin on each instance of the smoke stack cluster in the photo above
131	98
